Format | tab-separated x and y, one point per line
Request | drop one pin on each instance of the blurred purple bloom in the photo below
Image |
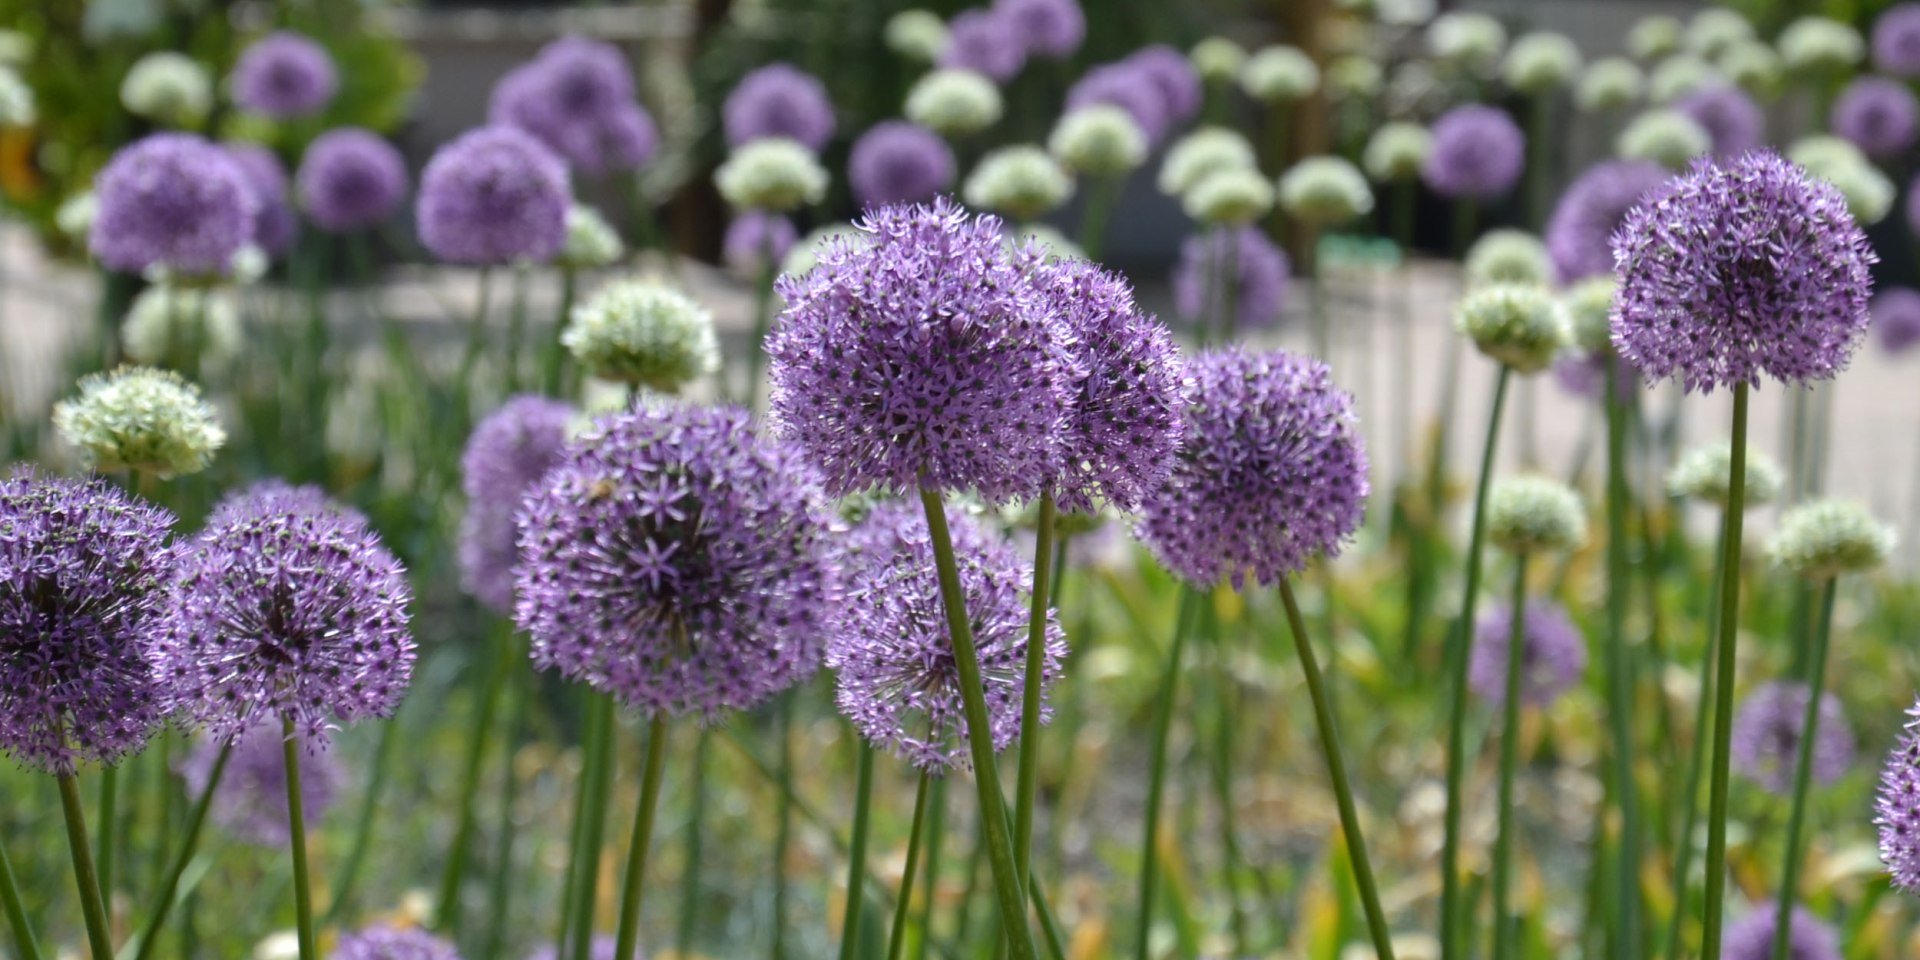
274	224
899	162
351	179
509	451
1128	87
1580	233
171	200
1173	76
1766	736
250	801
1261	280
1585	375
393	943
1733	122
1880	116
493	196
1896	807
284	75
1478	153
1896	40
987	42
779	100
1896	314
576	97
1752	937
756	238
1552	657
1050	28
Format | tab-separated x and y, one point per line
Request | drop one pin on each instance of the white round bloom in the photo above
1232	196
1715	28
1397	151
644	334
954	103
1869	194
168	88
1654	37
1821	45
1217	59
1539	62
1204	151
1357	78
591	241
1667	137
141	419
168	323
1325	191
75	216
1508	256
1823	539
1754	67
772	173
1022	182
1679	75
1704	472
1610	84
1100	140
1279	74
1589	306
916	34
16	100
1521	325
1530	513
1471	39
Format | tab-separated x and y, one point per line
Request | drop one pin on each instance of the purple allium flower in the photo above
1050	28
509	451
1124	428
779	100
171	200
493	196
393	943
1731	119
1262	279
899	162
577	98
250	801
1579	236
1478	153
603	947
678	562
1172	75
891	651
1551	660
286	608
1896	314
756	238
916	355
1766	736
274	225
273	496
1896	40
351	179
284	75
1896	807
1271	471
83	589
1585	375
1879	115
1808	938
1738	269
1128	87
987	42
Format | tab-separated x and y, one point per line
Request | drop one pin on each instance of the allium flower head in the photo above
917	356
1732	120
801	258
1754	67
384	942
83	597
1049	28
1541	62
1101	140
141	419
1354	77
1553	654
168	88
1200	153
1679	75
900	162
1526	514
274	224
1236	195
1279	74
678	562
169	324
1651	38
1271	472
892	653
171	200
953	102
1169	74
1217	59
1879	115
1469	39
1896	807
1609	84
286	608
645	334
1023	182
1896	40
591	240
509	451
1715	29
916	34
1508	256
1705	473
1752	937
1821	45
494	196
75	215
1584	375
1822	539
1868	192
1040	241
1896	315
1259	273
1766	737
757	238
351	179
576	97
1741	269
772	173
1478	153
250	802
985	41
1519	325
1396	151
1126	86
1665	137
1325	191
779	100
284	75
1589	306
1580	233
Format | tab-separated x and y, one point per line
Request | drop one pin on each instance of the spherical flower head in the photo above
1609	84
1589	306
644	334
1053	29
1868	192
591	240
1553	654
494	196
141	419
891	651
1879	115
953	102
1022	182
1753	66
169	324
1821	45
1651	38
286	608
1168	73
1896	41
1580	233
1279	74
250	801
1126	86
509	451
1519	325
1896	315
1259	273
1733	122
1325	192
83	598
1101	140
1896	807
170	89
1478	153
75	215
1679	75
284	75
1705	473
1396	151
351	179
678	562
1271	472
985	41
1237	195
1665	137
779	100
16	100
1823	539
171	200
899	162
1714	29
756	239
1508	256
916	34
1201	153
917	356
1541	62
1741	269
1473	40
1752	937
1527	514
772	174
1354	78
383	942
1767	731
576	97
274	223
1217	59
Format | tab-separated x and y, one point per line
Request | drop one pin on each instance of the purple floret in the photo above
274	224
779	100
1552	656
84	570
250	801
171	200
1880	116
493	196
393	943
678	562
1808	938
1262	280
899	162
987	42
1478	153
1741	269
284	75
509	451
1050	28
1896	40
351	179
1896	314
1580	233
1127	86
1733	122
1271	473
1766	737
756	238
577	97
1896	807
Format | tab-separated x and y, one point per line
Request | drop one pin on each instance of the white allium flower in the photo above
1654	37
168	88
1099	140
188	322
1022	182
1754	67
141	419
1530	513
1325	191
1666	137
1217	59
1542	61
1471	39
16	100
591	241
1279	74
1358	78
1714	29
1609	84
1204	151
1520	325
1589	306
75	216
644	334
1821	45
1233	196
1704	472
1396	151
1679	75
1823	539
1508	256
916	34
772	173
954	103
1870	195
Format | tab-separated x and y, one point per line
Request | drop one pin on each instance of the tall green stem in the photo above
857	856
554	352
143	944
297	828
762	325
1803	769
1036	665
1509	762
596	786
1620	669
783	829
369	813
1008	884
690	881
500	885
1190	600
636	881
935	843
92	907
476	339
897	939
23	940
1728	625
1093	218
1689	819
109	820
448	916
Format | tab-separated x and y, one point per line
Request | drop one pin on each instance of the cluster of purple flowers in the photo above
1896	314
384	942
757	237
494	196
899	162
1553	654
1478	153
577	97
250	801
284	75
1156	85
1880	116
172	200
1259	277
507	454
1753	936
1579	235
1767	733
1733	122
1897	807
1896	40
779	100
351	179
997	41
274	223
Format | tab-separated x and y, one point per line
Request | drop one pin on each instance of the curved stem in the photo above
1337	772
1689	820
1190	600
1728	626
1803	770
363	826
1024	785
1509	761
897	940
142	946
857	857
297	827
23	940
642	841
1620	669
92	907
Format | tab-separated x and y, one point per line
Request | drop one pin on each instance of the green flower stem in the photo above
1509	761
142	945
1029	762
1337	772
935	843
596	786
1093	218
1225	720
1190	601
1690	799
447	916
897	939
1728	626
1803	769
500	886
762	325
1451	906
369	813
516	327
108	818
297	826
1466	223
857	858
476	339
1006	880
636	881
1230	287
91	905
1620	669
783	830
23	941
690	877
555	353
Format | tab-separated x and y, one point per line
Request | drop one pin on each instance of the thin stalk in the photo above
1509	761
555	359
1466	218
343	888
690	877
596	786
143	944
297	826
1224	723
936	837
783	831
23	940
1029	761
447	917
516	327
897	940
636	882
1190	600
1689	819
762	324
500	887
84	877
857	858
1803	769
108	818
1337	772
1728	625
1093	219
1619	667
1230	287
1008	885
476	338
